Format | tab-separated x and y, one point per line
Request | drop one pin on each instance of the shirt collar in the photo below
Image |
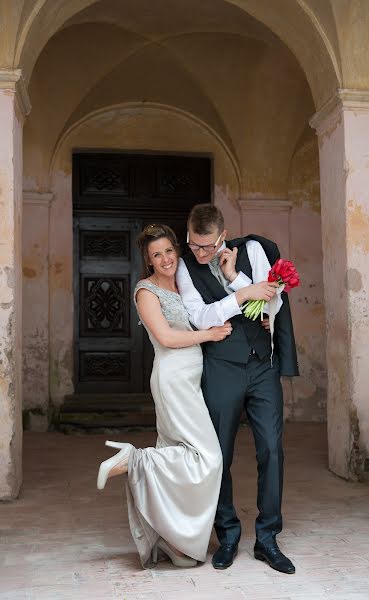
221	248
215	260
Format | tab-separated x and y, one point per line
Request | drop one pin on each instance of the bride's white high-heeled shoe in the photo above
107	465
178	561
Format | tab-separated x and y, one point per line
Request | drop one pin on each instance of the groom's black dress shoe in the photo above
224	556
274	557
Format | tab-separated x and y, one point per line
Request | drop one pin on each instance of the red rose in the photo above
272	276
286	278
294	280
284	271
277	266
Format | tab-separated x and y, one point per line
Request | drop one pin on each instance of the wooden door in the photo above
114	196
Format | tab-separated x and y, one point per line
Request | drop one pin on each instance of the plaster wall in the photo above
356	124
10	295
335	261
307	301
343	139
36	310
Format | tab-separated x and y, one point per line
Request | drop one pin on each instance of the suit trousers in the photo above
228	388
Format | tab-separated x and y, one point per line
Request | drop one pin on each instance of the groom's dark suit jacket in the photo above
247	335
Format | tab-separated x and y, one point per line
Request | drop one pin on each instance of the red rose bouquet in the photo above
284	273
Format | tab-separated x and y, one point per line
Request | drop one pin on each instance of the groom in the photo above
214	279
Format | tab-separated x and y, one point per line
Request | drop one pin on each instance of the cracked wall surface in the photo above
345	217
10	297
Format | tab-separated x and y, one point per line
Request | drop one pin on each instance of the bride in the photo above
173	489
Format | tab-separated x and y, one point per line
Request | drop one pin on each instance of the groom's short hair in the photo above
203	218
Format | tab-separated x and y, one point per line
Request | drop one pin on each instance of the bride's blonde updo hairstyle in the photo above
152	233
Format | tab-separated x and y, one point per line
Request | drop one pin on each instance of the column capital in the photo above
12	79
265	203
37	198
344	99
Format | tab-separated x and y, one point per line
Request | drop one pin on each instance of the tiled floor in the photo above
63	540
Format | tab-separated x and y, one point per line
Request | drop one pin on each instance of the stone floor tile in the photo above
348	596
64	540
226	595
73	592
19	594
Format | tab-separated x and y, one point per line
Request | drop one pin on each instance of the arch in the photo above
320	29
150	58
291	21
128	107
249	88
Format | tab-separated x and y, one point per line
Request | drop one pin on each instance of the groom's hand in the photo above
227	262
264	290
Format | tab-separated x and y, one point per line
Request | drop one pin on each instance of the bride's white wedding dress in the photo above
173	489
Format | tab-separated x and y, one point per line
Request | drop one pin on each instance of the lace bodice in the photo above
171	303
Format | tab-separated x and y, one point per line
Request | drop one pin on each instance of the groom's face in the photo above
206	246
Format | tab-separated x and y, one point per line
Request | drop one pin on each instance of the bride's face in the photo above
163	257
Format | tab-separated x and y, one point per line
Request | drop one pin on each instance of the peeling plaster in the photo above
357	454
9	277
354	280
307	302
330	130
304	184
10	297
6	305
29	273
358	226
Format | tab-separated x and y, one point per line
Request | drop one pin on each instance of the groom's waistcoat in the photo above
247	335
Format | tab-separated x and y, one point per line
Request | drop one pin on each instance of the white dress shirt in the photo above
204	316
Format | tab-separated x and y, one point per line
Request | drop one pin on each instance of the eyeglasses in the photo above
208	248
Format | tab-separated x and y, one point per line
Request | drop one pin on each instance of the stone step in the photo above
107	410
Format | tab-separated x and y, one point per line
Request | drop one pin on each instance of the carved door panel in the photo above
108	343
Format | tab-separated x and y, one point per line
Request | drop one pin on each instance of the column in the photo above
342	126
35	242
14	105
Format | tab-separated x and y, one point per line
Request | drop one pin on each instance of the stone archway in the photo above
329	58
